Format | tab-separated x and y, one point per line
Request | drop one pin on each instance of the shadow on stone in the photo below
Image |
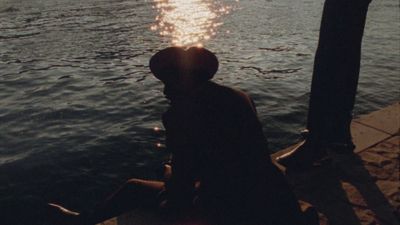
344	192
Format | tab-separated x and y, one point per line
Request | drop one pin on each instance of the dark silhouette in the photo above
221	169
334	83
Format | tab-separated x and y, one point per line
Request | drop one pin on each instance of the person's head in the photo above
182	71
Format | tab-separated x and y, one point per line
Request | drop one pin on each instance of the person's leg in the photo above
334	82
133	194
336	69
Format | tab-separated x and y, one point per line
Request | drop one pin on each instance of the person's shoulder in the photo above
226	91
236	94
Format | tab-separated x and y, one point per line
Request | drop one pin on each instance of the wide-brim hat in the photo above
174	63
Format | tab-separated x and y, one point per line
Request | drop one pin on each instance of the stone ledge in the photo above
386	119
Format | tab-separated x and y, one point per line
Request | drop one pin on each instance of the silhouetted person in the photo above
216	138
221	168
334	83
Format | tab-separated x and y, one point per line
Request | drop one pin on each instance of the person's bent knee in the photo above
152	184
135	181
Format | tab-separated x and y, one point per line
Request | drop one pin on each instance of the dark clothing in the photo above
216	138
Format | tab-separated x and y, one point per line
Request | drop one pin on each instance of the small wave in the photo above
65	77
302	54
116	54
254	68
114	78
141	79
9	9
126	77
46	68
106	55
277	49
281	71
5	159
284	70
19	35
32	19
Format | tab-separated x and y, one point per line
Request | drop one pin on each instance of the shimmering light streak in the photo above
188	22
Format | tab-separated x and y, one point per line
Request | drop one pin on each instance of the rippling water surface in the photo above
78	104
188	22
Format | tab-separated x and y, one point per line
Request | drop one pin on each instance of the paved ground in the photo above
358	189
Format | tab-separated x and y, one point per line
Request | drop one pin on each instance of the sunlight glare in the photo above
188	22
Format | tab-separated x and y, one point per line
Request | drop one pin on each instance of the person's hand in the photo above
167	171
163	204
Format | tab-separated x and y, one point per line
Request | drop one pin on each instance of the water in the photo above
189	23
78	104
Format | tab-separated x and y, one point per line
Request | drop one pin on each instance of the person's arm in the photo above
180	185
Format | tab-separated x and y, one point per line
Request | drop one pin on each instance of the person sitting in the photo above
221	171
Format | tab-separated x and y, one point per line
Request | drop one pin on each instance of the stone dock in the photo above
363	188
355	189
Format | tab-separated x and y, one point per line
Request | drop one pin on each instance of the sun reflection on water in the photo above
188	22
